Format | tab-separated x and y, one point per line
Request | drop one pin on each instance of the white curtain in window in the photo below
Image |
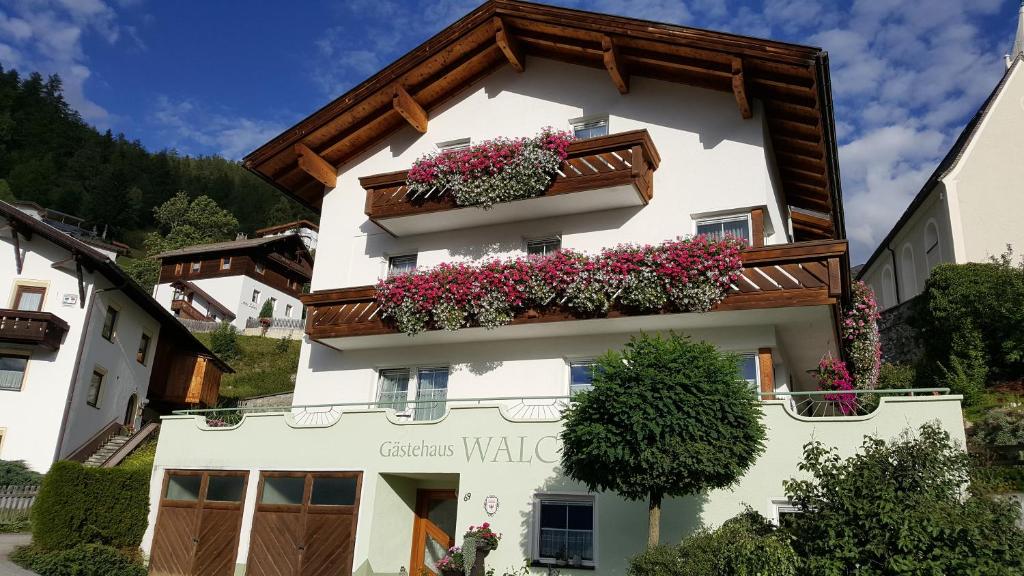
12	371
394	390
31	301
431	393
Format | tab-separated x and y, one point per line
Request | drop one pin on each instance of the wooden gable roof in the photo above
791	81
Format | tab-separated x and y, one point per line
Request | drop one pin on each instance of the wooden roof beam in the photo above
739	89
410	109
614	64
509	46
311	163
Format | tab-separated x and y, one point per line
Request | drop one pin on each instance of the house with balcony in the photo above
967	209
396	442
87	357
231	281
304	229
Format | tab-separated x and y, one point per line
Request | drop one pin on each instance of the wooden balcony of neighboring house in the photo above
184	309
602	173
42	329
774	279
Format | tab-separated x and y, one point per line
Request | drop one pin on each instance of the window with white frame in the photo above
543	246
749	371
225	263
932	254
581	376
401	264
288	311
429	386
589	127
255	296
563	530
718	228
393	389
12	370
196	266
783	511
109	323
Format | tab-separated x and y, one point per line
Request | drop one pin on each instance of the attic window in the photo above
589	127
456	144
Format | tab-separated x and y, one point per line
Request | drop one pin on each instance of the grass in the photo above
262	367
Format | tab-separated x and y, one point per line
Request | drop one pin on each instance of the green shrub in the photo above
282	345
657	561
267	310
15	526
17	473
896	376
82	560
970	319
79	505
999	434
224	341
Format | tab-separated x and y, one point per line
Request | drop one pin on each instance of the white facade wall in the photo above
235	292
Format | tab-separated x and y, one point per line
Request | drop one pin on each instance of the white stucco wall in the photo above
235	292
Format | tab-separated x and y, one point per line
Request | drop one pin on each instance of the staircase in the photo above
108	449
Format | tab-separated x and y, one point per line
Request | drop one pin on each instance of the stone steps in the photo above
107	450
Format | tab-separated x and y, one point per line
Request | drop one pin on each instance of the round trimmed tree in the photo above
667	417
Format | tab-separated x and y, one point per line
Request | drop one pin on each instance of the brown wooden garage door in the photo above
305	524
198	523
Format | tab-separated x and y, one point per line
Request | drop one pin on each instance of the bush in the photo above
657	561
896	376
900	507
17	473
970	320
999	435
224	341
15	526
267	311
282	345
79	505
82	560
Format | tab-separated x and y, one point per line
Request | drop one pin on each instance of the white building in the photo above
83	348
304	229
231	281
394	443
968	209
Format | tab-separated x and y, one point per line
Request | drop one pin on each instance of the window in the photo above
401	264
12	371
581	376
283	490
564	530
908	273
888	288
749	371
196	266
225	263
225	488
333	491
783	511
717	228
92	398
932	253
457	144
184	488
179	268
3	432
29	298
543	246
393	389
431	393
260	269
109	323
288	311
255	296
143	351
590	128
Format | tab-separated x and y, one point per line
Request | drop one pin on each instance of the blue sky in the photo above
221	77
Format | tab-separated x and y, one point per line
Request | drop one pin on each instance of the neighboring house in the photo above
303	228
83	348
230	281
73	226
969	209
394	444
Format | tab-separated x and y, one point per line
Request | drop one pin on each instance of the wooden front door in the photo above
433	531
198	524
304	524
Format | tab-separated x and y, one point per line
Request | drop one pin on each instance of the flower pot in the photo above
451	572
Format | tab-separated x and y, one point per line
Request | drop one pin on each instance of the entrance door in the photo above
304	524
433	531
198	523
129	412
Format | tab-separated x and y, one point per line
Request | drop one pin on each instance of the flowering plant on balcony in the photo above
834	376
682	275
861	338
483	536
499	170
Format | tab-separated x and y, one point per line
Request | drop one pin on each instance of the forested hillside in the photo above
50	156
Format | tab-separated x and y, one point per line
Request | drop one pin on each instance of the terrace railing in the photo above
845	403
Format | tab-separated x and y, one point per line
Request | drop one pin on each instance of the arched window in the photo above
908	274
932	251
888	288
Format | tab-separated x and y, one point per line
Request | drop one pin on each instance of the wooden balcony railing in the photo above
32	328
184	309
800	274
624	162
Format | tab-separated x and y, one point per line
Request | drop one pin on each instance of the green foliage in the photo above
999	435
282	345
260	368
267	310
661	560
81	560
17	473
896	376
666	417
142	457
15	526
79	505
898	507
5	192
224	341
970	319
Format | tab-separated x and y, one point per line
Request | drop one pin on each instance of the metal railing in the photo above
515	407
279	323
198	325
843	403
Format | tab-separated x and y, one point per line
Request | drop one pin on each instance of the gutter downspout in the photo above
74	376
895	273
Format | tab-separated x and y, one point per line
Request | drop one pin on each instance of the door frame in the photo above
421	526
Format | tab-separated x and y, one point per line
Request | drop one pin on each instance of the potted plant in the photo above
483	537
453	563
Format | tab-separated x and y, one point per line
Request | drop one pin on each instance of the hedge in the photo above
82	560
78	505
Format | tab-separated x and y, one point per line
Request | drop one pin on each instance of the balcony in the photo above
185	309
614	171
32	328
775	279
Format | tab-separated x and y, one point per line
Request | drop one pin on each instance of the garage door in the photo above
304	524
198	523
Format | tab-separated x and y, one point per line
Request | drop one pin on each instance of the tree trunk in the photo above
654	521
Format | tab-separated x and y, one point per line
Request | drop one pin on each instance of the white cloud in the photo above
191	128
